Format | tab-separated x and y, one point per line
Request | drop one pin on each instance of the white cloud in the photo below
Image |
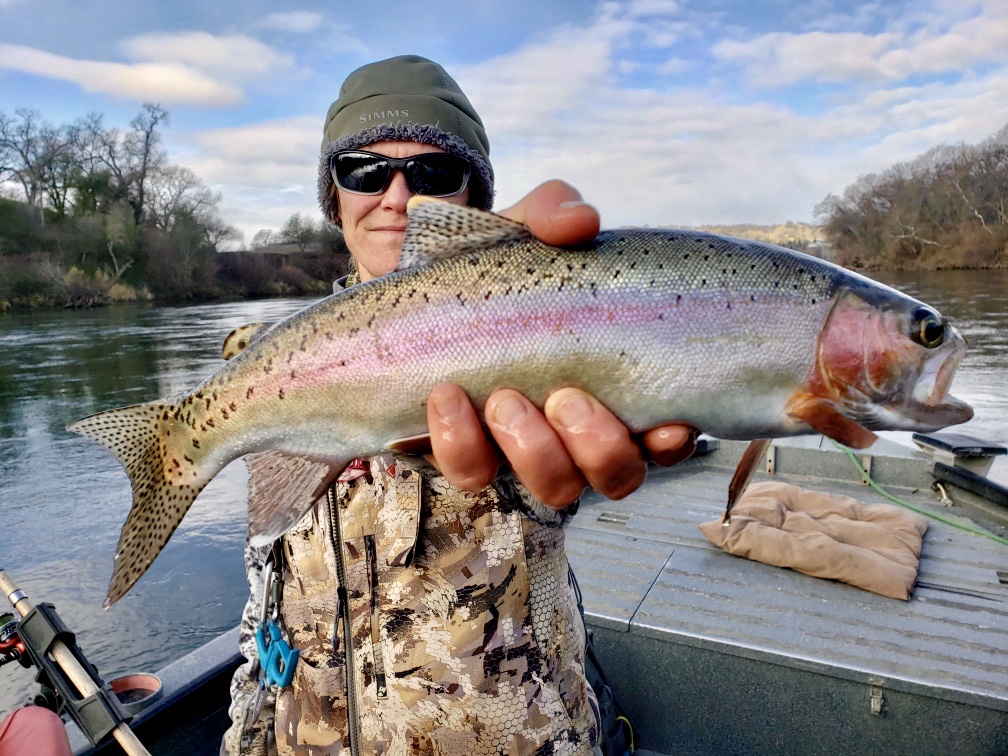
233	56
293	22
168	83
932	44
784	58
556	108
265	171
560	106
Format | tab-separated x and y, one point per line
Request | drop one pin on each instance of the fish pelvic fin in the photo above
437	229
824	417
241	337
751	460
282	487
164	479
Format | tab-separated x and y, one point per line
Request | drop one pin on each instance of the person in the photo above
429	597
33	730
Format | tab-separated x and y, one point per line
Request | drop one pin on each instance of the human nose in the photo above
398	193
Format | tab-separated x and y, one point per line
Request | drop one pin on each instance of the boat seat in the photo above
960	450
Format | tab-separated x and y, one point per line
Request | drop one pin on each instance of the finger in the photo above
556	214
459	444
597	441
671	444
535	453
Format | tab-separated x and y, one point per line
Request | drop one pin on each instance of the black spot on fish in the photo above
281	394
195	443
187	458
248	394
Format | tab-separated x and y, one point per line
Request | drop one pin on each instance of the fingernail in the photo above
671	457
509	412
573	412
571	204
446	405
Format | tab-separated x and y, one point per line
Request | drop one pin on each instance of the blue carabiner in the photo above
276	658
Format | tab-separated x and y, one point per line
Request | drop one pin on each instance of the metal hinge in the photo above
877	700
866	465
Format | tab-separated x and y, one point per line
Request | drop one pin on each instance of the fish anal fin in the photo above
823	416
414	446
752	460
240	338
437	229
282	487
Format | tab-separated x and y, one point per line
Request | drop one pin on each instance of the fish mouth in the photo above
931	404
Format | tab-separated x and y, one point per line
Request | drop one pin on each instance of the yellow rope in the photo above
629	727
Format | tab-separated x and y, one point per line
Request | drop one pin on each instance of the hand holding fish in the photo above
575	441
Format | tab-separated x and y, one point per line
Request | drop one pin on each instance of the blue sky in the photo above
663	112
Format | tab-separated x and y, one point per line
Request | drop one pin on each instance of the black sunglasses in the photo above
433	174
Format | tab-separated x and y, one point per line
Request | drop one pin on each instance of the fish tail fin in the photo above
165	481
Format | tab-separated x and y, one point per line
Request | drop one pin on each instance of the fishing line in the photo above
913	508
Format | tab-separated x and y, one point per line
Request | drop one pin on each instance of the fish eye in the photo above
928	328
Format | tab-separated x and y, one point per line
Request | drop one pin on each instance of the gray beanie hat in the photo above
408	98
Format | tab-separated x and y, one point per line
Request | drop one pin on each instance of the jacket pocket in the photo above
313	710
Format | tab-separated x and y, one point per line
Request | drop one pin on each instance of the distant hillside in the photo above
786	235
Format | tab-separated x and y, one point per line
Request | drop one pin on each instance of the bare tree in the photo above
30	150
129	158
299	229
175	190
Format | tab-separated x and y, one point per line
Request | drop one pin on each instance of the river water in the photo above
63	499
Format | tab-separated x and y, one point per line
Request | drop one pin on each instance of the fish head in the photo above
888	360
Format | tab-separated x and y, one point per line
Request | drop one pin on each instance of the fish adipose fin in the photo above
437	229
752	459
241	337
825	418
164	486
282	487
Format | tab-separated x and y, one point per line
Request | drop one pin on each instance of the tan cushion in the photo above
872	546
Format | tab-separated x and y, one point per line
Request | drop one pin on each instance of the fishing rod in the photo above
78	689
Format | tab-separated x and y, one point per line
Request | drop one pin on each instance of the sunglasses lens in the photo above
433	174
437	175
360	172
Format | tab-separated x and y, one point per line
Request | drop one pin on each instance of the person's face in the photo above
374	224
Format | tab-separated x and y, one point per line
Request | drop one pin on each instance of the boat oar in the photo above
75	672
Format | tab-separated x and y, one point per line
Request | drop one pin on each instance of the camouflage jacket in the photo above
429	620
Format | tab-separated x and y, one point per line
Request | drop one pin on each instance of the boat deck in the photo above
712	653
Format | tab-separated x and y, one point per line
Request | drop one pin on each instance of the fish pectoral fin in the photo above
752	459
241	337
823	416
415	446
437	230
282	487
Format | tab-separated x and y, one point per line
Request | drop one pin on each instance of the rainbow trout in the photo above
740	339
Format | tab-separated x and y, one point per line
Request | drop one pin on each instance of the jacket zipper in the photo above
376	642
343	612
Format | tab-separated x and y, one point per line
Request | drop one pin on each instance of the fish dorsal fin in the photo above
437	229
241	337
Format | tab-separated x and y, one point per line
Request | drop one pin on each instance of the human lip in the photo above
397	229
